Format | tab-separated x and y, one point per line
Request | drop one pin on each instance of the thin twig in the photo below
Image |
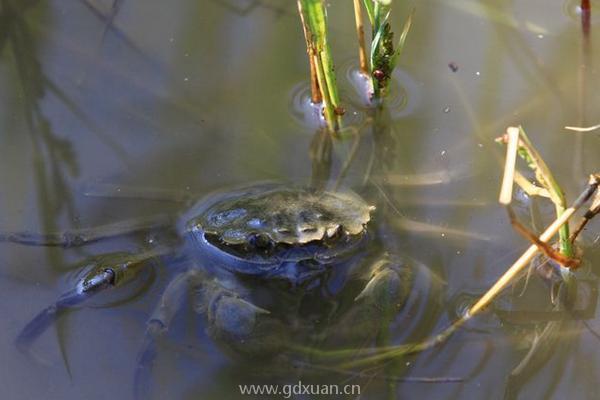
581	129
587	217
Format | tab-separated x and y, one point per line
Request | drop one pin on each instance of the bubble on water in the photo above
303	110
402	99
461	305
360	85
310	115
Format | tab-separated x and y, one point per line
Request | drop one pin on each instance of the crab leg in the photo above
83	236
376	305
100	273
115	191
158	324
47	317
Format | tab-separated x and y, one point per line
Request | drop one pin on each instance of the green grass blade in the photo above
546	179
402	39
370	11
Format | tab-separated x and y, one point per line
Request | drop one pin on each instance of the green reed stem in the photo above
314	23
384	53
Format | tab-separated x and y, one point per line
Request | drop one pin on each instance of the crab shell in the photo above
296	219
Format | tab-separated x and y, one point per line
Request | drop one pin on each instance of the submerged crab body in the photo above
270	266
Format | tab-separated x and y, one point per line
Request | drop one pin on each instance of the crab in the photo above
266	266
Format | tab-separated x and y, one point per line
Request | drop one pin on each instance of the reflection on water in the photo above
53	159
100	93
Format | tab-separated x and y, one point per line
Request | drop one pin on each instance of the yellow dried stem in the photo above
509	167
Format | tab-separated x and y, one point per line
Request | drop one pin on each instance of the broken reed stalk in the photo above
360	32
528	255
314	24
516	136
509	167
517	267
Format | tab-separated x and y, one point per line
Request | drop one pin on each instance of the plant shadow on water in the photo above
200	103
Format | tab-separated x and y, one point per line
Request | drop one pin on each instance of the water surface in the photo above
195	96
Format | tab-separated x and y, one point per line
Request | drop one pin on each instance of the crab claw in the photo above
384	290
234	314
244	328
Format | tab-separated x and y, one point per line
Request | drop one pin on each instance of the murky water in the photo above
193	96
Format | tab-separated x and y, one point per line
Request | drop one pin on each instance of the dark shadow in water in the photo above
109	26
53	156
54	161
321	157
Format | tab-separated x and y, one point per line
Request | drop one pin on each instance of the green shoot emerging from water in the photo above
384	52
323	81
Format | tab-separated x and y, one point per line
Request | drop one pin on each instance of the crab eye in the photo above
308	229
284	231
98	280
259	241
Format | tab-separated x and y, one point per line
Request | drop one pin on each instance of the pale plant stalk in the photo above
360	32
509	168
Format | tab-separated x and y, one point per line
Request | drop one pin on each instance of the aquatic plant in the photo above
383	55
545	179
322	73
377	67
